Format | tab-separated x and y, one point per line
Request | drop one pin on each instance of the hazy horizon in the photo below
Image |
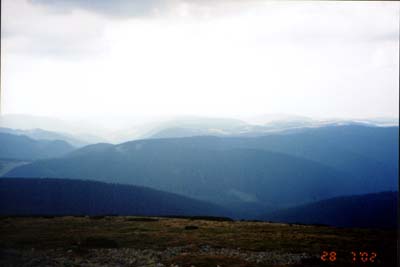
155	60
107	126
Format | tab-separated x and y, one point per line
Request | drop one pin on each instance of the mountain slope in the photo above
196	126
227	177
79	129
268	172
73	197
253	127
370	210
368	152
363	151
21	147
39	134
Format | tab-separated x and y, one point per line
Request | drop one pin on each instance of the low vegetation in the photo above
132	241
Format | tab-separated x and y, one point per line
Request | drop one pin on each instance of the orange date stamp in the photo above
359	256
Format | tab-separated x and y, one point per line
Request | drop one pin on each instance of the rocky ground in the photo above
143	257
184	242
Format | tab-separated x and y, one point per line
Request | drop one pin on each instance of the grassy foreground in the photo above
145	241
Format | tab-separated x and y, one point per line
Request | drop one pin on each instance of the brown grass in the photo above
160	233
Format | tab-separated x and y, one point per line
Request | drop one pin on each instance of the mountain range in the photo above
76	197
379	210
247	127
61	197
39	134
22	147
118	130
246	174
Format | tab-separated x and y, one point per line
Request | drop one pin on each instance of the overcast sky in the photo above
80	58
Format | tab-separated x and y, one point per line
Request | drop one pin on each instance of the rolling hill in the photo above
252	127
247	174
361	151
76	197
40	134
370	210
78	130
20	147
226	177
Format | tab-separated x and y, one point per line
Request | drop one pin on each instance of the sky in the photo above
82	59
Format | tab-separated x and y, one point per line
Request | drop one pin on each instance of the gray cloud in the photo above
37	32
387	36
114	8
189	53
